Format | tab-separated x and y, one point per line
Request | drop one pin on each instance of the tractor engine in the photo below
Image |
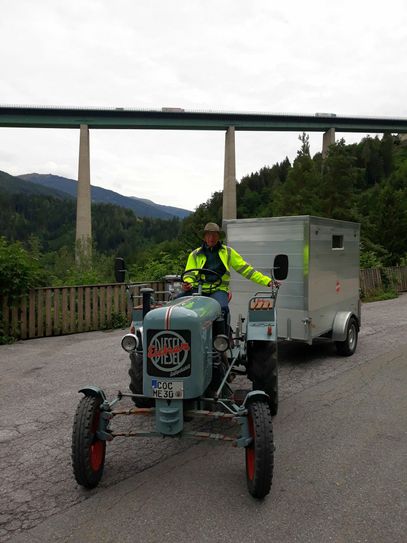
178	356
178	349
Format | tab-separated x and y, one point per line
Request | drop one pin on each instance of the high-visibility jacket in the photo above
230	258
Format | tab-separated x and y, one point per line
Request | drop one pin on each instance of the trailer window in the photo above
337	242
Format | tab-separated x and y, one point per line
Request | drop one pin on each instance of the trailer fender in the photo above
340	325
94	391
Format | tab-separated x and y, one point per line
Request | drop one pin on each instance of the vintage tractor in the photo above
181	367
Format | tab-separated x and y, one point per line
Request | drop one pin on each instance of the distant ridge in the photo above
16	185
140	206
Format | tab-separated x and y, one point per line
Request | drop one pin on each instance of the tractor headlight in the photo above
221	343
130	342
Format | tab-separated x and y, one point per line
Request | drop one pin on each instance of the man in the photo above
215	256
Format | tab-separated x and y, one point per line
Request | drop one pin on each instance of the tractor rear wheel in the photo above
136	380
262	370
88	452
260	452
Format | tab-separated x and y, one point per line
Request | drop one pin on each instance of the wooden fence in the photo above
373	279
68	310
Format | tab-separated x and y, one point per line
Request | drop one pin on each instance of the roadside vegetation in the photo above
364	182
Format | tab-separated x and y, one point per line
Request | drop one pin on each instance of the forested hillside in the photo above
364	182
140	206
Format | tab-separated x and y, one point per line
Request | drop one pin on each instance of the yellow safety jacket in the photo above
230	258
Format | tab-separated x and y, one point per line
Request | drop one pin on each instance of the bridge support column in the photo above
83	247
229	179
327	140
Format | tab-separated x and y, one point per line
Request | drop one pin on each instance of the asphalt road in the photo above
341	458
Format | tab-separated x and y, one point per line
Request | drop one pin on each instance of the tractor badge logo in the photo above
168	351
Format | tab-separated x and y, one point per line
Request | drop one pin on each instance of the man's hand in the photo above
186	286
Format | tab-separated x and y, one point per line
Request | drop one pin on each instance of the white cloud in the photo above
346	57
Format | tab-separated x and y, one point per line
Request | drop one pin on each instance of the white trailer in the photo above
320	297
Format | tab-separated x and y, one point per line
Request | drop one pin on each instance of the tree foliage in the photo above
19	270
364	182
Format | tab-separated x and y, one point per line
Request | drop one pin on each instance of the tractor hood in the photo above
182	312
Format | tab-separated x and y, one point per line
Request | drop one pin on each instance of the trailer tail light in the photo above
269	330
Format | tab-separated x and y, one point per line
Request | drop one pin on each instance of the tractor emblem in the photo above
168	351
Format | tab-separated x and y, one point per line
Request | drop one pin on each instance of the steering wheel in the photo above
199	277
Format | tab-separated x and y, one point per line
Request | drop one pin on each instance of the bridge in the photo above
170	118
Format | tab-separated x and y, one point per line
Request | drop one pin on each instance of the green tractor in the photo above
181	368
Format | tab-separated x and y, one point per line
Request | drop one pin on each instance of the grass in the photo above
379	295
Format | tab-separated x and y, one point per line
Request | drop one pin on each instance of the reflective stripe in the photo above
229	250
243	268
251	272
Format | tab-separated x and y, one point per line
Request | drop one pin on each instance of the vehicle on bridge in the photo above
181	367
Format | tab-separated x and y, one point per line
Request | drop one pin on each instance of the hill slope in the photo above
141	207
16	185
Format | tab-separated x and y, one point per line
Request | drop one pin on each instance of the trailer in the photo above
320	297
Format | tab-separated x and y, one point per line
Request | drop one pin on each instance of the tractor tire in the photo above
136	380
88	452
260	452
348	347
262	370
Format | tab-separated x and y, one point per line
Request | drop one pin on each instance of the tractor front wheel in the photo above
88	452
262	370
260	452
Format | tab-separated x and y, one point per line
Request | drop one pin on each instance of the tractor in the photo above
184	356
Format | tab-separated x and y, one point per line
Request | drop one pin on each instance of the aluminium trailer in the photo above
320	297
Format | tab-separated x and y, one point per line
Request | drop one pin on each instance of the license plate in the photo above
167	390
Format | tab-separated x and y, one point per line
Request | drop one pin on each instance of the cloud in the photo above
346	57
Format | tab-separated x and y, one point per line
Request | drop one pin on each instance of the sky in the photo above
344	57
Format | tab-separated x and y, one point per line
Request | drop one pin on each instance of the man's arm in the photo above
247	271
189	279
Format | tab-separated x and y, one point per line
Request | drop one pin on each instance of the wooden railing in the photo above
67	310
55	311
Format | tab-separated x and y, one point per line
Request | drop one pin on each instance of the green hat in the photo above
212	227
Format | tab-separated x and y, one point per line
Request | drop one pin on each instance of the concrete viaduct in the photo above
179	119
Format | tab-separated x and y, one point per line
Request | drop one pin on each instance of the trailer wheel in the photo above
262	370
348	347
260	453
88	452
136	380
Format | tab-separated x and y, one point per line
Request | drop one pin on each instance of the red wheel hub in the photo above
250	452
96	455
97	448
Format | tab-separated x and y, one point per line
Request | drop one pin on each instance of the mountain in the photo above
15	185
140	206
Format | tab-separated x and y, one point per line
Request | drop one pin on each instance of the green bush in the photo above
19	271
379	295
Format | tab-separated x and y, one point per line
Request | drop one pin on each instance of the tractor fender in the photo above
255	395
340	324
94	391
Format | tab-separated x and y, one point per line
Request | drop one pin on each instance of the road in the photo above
341	438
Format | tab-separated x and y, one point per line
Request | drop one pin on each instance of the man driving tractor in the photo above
213	255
